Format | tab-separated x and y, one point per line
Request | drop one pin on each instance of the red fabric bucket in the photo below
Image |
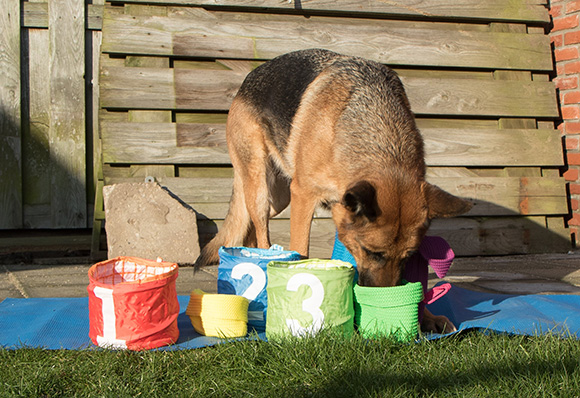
133	303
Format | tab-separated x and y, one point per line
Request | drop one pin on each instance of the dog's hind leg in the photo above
234	231
247	217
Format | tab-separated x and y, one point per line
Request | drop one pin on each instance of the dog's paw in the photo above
436	323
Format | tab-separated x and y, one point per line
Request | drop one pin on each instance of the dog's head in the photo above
382	225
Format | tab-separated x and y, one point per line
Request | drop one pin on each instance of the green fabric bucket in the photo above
305	296
388	311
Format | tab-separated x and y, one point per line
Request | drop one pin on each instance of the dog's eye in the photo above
377	256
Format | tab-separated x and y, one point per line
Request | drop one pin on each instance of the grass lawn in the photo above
470	365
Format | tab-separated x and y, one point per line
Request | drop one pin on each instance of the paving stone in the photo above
537	274
144	220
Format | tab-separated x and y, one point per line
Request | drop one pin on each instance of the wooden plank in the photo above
67	123
509	195
467	237
93	125
522	10
137	172
10	118
205	142
35	15
183	89
260	36
499	236
495	196
481	98
153	143
484	147
36	134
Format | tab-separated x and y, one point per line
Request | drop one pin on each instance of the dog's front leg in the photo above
436	323
302	206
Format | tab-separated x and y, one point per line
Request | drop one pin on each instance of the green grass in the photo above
472	365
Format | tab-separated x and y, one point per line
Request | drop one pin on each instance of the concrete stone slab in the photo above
144	220
26	281
536	274
53	281
8	284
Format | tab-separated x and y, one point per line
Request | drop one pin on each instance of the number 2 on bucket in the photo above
256	287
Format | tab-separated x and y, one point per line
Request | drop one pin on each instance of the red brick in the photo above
566	83
568	22
575	220
572	127
571	68
572	143
572	97
566	54
570	112
558	40
572	6
574	204
574	189
555	11
573	160
571	38
571	175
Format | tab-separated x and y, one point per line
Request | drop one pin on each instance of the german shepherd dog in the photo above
314	128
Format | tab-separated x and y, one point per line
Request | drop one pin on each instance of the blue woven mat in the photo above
63	323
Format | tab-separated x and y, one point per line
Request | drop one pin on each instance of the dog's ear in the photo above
442	204
361	200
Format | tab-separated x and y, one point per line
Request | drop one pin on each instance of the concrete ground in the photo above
525	274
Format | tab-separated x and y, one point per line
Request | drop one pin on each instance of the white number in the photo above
258	283
311	304
109	337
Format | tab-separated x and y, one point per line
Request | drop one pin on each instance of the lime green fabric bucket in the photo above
388	311
305	296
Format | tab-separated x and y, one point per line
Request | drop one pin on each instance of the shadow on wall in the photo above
42	185
475	234
10	170
43	153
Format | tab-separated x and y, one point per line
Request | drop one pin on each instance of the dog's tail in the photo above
234	230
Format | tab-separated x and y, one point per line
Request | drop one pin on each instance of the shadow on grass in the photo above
521	370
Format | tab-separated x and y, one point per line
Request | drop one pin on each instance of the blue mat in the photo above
63	323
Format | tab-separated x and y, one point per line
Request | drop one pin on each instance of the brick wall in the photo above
565	36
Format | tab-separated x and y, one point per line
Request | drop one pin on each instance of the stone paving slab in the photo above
24	281
527	274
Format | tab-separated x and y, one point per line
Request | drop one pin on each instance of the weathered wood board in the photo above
67	115
10	116
134	143
259	36
213	90
522	10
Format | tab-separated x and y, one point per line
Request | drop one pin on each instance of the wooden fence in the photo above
46	118
477	75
